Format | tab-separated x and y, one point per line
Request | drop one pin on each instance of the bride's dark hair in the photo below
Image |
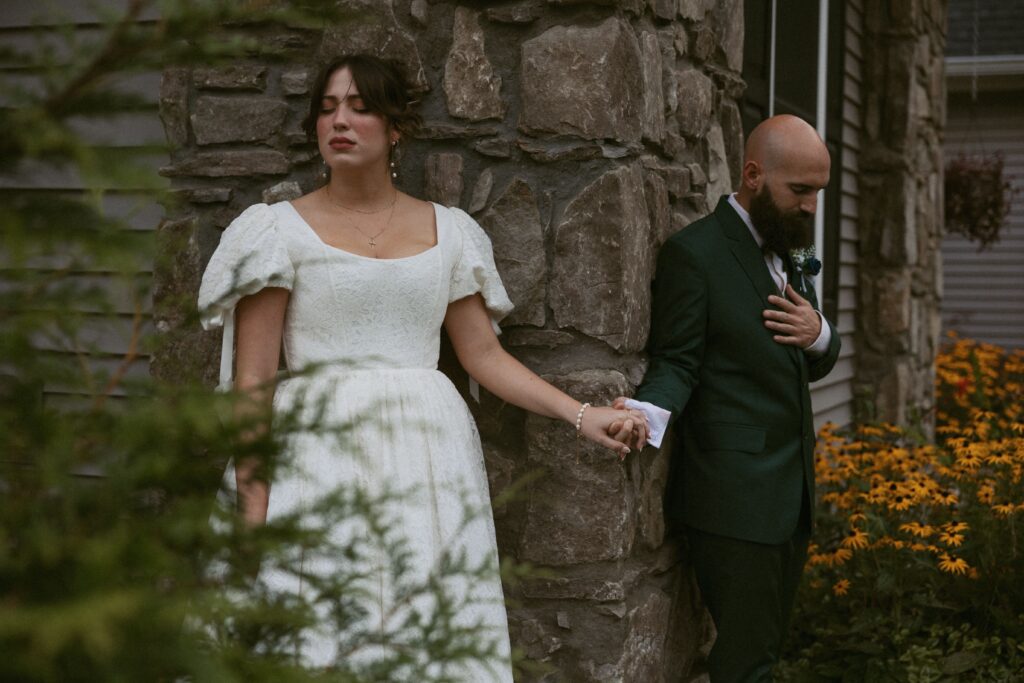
382	86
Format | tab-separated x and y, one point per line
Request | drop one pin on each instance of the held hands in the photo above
615	428
796	323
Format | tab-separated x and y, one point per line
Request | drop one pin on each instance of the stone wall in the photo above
901	209
580	134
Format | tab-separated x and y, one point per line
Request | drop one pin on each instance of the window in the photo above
793	64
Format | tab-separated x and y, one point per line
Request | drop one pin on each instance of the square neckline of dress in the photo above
313	233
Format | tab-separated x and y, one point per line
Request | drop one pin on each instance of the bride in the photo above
358	278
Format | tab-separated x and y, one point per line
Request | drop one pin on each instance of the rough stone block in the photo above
205	195
732	134
235	77
295	81
580	511
696	95
471	86
894	297
375	30
481	191
185	352
602	253
519	13
719	177
174	106
650	474
583	583
283	191
654	100
698	179
677	180
663	9
728	16
549	339
702	42
513	224
498	148
440	130
694	10
229	164
420	11
444	178
548	152
236	119
583	81
643	652
658	209
535	640
633	6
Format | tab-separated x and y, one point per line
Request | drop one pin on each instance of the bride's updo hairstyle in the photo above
382	87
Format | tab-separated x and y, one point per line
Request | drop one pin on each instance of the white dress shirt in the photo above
657	418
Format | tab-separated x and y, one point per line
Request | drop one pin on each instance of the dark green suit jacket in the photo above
744	447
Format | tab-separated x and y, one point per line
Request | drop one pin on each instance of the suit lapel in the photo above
745	250
751	259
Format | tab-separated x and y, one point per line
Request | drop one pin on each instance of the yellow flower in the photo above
819	558
955	527
917	529
953	565
901	502
841	587
986	493
841	555
954	540
1005	509
855	538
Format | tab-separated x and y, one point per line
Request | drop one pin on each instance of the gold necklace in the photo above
334	201
372	239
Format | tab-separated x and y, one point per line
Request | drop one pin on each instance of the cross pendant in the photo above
372	243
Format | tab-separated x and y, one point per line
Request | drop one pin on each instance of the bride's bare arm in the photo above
259	320
482	356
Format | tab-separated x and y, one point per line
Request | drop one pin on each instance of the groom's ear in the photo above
752	175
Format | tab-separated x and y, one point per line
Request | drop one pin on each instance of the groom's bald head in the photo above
785	164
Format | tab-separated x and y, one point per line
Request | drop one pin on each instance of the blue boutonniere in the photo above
806	262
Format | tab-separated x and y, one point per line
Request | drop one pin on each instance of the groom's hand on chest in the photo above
794	322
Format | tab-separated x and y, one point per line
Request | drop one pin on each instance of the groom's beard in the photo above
780	232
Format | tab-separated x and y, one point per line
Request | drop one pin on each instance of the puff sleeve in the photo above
251	256
474	270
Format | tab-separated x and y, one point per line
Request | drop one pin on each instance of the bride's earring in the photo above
325	170
391	164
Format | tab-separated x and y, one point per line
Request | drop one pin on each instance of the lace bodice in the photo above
347	308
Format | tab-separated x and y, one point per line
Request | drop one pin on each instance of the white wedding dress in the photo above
372	326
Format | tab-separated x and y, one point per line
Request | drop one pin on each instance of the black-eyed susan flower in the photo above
855	538
917	529
953	565
1004	509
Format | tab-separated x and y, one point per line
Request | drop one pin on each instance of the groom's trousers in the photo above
749	589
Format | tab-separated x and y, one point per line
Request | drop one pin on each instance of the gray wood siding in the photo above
832	397
983	292
104	336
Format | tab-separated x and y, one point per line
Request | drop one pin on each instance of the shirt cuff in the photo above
657	420
820	345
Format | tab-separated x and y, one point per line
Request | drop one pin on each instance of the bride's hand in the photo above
614	428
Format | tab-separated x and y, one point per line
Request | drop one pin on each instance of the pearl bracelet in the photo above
579	419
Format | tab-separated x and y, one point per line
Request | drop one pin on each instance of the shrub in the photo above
914	572
112	567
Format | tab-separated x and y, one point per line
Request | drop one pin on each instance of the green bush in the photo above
115	562
914	572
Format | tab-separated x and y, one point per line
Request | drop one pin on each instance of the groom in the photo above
735	339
